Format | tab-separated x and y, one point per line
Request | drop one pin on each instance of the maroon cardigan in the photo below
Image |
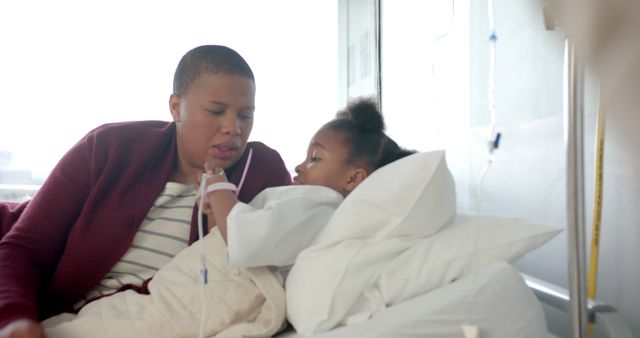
85	216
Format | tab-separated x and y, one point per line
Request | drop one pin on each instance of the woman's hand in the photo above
22	328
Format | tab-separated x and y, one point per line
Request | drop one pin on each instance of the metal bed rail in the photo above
604	316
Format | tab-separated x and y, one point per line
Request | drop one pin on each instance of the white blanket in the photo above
239	302
494	298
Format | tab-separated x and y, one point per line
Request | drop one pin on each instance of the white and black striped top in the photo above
162	235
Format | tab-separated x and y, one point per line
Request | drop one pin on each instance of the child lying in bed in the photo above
340	156
244	293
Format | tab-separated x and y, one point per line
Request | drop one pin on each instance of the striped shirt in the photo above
162	235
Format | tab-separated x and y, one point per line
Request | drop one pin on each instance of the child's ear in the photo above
356	177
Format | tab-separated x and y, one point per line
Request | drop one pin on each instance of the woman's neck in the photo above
185	175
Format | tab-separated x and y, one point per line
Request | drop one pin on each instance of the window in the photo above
69	66
358	49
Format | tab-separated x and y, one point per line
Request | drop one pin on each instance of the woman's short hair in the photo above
208	59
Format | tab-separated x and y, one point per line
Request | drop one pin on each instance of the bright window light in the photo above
70	66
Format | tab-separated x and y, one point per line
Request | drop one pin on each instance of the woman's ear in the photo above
174	107
356	177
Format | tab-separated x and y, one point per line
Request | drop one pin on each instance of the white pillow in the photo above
495	298
469	244
412	196
376	248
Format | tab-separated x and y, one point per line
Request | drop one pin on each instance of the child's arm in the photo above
220	201
276	225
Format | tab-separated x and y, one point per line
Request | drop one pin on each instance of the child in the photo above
340	156
270	231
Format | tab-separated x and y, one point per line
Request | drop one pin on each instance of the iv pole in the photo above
574	144
574	149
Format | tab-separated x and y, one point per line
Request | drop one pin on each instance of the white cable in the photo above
203	191
483	175
492	22
493	139
203	262
491	94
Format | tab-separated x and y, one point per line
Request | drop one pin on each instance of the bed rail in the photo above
603	315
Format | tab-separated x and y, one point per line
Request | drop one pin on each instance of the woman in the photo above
96	224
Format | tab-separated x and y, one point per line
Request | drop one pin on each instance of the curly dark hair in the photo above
363	125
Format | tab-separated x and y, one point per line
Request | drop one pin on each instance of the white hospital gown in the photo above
279	223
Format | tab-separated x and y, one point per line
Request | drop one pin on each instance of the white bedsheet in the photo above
495	298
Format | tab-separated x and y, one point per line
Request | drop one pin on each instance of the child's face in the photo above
214	119
326	163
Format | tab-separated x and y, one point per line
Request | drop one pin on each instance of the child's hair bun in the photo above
365	115
363	127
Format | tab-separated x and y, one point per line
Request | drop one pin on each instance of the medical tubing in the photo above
592	279
244	172
203	271
491	86
483	176
493	138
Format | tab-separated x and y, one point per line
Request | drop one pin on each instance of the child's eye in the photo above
314	157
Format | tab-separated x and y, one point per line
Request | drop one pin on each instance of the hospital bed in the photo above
499	300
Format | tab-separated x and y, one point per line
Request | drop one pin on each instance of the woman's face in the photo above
214	119
327	162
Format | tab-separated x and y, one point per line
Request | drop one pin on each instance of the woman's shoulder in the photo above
131	127
131	132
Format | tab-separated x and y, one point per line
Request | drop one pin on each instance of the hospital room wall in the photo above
435	73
